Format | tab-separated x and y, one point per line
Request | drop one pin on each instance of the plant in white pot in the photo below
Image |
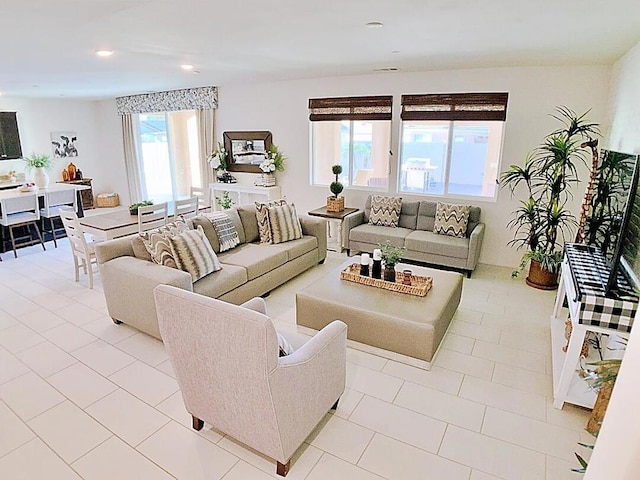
40	163
543	221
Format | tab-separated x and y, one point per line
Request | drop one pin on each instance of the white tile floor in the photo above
83	398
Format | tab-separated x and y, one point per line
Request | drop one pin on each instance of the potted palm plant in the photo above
543	222
40	163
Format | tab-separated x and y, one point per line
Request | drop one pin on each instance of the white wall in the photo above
99	138
617	452
533	94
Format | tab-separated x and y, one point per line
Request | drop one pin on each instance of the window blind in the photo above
455	106
350	108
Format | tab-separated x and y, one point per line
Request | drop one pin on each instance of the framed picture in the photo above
64	144
246	150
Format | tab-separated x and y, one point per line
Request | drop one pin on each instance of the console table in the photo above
86	195
243	192
590	310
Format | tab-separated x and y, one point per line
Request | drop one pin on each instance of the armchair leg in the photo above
282	470
468	273
335	405
348	252
197	423
116	321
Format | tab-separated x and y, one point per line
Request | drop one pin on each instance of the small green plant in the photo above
38	161
225	201
336	187
273	160
133	208
390	253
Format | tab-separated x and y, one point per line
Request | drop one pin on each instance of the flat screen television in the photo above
625	222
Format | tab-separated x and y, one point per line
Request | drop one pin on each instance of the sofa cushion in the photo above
262	217
474	219
139	250
373	234
451	220
385	211
409	215
284	223
193	253
297	248
426	215
258	259
247	214
208	229
429	242
218	283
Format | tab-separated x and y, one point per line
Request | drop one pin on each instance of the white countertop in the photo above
56	187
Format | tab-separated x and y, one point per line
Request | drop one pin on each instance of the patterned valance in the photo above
201	98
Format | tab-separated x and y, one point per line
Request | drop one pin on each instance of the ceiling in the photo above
47	47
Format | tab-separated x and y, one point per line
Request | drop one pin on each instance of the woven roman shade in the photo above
350	108
455	106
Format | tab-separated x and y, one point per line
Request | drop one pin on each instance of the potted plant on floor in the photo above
543	222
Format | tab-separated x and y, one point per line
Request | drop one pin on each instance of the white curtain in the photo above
207	139
129	135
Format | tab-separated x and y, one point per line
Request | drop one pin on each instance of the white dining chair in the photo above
53	202
20	211
187	208
84	253
152	216
204	197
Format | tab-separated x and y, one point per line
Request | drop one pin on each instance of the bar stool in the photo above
21	211
53	202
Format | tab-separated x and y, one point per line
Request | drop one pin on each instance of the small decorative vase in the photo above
71	170
268	180
41	177
390	273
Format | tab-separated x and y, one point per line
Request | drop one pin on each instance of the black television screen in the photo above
623	233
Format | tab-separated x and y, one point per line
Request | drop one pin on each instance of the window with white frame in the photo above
354	132
169	154
451	143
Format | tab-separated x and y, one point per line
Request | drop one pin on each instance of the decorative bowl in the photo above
24	189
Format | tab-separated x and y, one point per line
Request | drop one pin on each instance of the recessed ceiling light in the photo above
186	66
196	72
374	24
104	53
395	51
386	69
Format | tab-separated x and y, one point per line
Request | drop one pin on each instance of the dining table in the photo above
110	225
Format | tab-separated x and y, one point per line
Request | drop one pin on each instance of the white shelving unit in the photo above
245	193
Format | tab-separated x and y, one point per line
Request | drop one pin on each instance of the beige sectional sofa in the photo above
251	269
415	234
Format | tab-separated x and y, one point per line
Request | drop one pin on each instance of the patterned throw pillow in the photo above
225	229
284	222
159	247
284	347
193	253
157	241
385	211
451	220
262	215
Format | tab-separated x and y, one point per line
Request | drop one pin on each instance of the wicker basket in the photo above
419	285
335	204
107	200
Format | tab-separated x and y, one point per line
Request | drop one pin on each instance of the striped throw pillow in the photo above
262	215
451	220
285	225
193	253
385	211
225	230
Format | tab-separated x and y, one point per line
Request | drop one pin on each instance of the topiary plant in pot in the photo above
543	222
336	203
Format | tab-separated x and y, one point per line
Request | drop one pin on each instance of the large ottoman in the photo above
405	327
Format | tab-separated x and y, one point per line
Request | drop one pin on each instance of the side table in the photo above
334	240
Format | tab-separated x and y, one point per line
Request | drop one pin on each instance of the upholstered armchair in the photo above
226	361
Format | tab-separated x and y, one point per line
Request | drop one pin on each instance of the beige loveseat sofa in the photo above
251	269
415	234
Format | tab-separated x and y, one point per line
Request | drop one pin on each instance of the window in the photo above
354	132
451	143
168	152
